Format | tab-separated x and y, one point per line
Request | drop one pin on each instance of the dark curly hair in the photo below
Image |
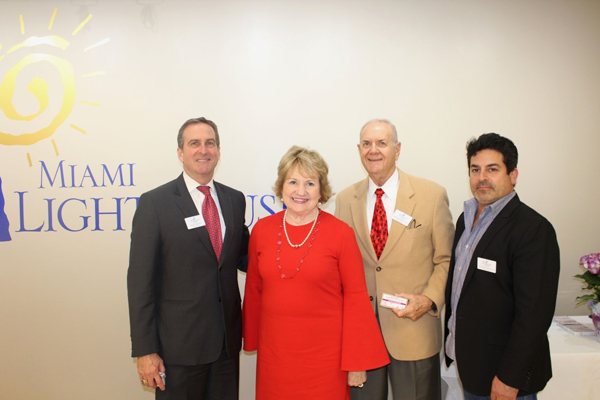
493	141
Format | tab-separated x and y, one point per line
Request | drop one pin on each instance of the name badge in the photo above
399	216
486	265
194	222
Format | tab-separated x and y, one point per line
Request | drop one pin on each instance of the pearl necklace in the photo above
316	229
307	236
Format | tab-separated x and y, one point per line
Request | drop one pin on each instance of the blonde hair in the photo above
309	162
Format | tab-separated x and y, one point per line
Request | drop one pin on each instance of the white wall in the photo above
271	74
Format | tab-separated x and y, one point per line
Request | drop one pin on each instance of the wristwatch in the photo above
433	307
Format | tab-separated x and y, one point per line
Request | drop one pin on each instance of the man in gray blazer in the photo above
187	242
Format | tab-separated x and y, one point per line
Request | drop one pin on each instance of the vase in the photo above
596	319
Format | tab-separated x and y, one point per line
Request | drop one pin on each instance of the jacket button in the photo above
378	269
371	298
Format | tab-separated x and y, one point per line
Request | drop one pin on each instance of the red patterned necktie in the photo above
212	221
379	227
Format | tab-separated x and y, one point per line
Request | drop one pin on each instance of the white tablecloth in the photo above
575	367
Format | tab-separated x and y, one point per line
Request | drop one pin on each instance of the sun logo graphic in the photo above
38	88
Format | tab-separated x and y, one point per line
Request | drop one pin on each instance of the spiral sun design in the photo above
40	66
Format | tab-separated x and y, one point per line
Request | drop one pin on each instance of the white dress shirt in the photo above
390	191
198	198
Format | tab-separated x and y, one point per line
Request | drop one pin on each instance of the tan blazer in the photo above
415	259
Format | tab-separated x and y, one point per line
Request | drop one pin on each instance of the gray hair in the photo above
384	121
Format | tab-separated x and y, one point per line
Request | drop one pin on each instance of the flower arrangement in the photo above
591	277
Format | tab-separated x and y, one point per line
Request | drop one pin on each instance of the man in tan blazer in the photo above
413	263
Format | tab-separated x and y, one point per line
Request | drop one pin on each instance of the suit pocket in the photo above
420	230
169	301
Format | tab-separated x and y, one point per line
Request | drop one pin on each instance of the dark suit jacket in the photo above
183	303
502	318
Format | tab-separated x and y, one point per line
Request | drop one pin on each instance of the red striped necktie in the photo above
212	221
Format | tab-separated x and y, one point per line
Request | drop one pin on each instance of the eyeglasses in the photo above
380	144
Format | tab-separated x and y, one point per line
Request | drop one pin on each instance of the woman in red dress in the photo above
306	307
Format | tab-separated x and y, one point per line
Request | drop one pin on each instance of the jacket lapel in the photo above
359	218
460	228
227	210
184	201
490	234
404	204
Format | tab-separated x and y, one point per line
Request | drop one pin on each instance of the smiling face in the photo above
378	152
300	193
200	153
488	177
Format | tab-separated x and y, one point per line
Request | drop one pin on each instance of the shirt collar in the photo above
471	205
192	185
390	186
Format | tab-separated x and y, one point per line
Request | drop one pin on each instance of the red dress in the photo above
311	329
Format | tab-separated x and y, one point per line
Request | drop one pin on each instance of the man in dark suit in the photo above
502	283
187	242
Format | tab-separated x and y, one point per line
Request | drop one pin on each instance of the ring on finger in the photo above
361	385
144	381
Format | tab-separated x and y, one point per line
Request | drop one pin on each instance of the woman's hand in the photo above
357	378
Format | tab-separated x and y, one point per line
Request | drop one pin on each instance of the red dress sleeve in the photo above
363	347
252	294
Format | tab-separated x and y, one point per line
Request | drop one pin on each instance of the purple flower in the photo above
591	262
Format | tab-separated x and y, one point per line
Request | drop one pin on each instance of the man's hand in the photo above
148	368
357	378
417	306
501	391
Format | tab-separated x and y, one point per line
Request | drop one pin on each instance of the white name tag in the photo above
486	265
399	216
194	222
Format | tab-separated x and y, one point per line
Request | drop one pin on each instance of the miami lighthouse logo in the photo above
38	95
4	232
